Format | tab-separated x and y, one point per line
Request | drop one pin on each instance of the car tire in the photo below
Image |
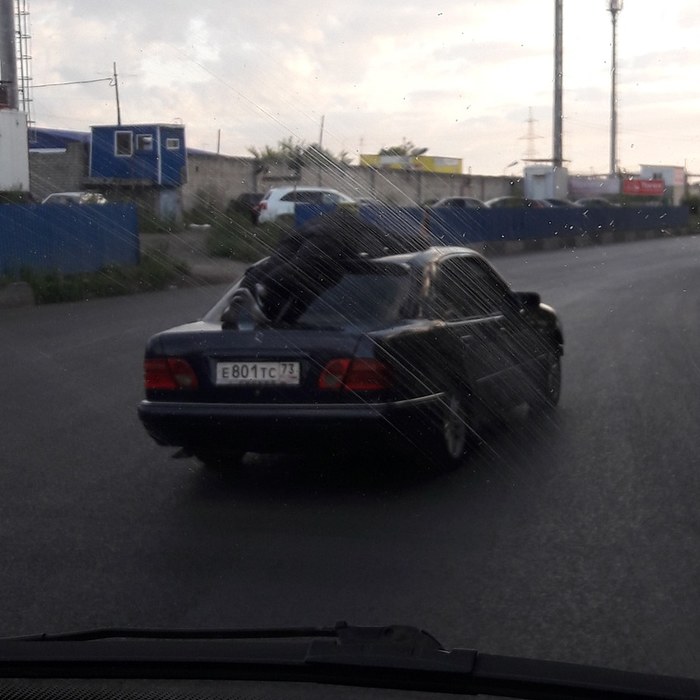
219	459
449	435
549	389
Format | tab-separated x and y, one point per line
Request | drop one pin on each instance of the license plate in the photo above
277	373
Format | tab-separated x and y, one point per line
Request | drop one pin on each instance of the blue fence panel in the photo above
392	219
465	226
67	239
303	213
460	226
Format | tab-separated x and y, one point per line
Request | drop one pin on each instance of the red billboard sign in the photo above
648	188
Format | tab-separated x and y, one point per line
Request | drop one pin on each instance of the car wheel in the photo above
219	459
550	383
454	428
449	436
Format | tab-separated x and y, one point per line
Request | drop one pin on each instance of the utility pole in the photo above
319	171
557	149
8	56
116	92
614	7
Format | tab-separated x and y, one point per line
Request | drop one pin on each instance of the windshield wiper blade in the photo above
392	657
183	634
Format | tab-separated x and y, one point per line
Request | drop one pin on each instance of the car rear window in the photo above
363	300
303	197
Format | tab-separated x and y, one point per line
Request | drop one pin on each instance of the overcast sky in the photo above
455	77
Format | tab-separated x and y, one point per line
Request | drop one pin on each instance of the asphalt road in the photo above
576	538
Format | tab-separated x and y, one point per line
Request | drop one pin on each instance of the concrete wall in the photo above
218	179
58	172
14	165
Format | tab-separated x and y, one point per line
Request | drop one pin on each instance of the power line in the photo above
77	82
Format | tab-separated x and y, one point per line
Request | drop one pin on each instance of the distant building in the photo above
423	163
58	161
48	141
673	176
144	163
151	166
147	154
146	160
546	182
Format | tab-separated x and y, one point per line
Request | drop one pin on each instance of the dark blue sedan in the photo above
411	352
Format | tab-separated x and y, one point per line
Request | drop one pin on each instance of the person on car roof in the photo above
311	259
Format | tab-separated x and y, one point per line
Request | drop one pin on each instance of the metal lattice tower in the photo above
531	137
24	59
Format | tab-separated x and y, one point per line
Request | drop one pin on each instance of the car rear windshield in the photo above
362	299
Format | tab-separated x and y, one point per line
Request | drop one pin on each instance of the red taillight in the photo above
169	374
333	374
355	375
367	375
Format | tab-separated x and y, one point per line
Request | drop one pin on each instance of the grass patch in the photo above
153	273
235	236
149	223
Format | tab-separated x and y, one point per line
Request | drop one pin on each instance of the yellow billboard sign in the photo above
427	164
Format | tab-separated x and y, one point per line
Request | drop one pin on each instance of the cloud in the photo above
457	77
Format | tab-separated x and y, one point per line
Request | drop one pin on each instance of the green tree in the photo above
405	148
297	155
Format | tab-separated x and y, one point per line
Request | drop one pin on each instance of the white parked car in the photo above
281	200
75	198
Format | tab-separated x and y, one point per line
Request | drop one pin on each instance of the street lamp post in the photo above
557	148
614	7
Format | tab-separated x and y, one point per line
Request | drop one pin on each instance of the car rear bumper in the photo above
283	427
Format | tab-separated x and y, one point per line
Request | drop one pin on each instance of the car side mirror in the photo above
530	300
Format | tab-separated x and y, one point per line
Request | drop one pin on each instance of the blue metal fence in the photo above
464	226
492	225
67	239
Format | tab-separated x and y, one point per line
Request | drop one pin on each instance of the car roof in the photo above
302	189
67	194
77	193
458	196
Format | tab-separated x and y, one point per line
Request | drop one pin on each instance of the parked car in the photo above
514	203
370	201
75	198
459	203
555	202
594	202
246	203
414	350
280	201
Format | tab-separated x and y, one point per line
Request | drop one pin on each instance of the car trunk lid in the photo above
264	365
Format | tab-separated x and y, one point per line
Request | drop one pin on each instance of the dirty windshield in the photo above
260	368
